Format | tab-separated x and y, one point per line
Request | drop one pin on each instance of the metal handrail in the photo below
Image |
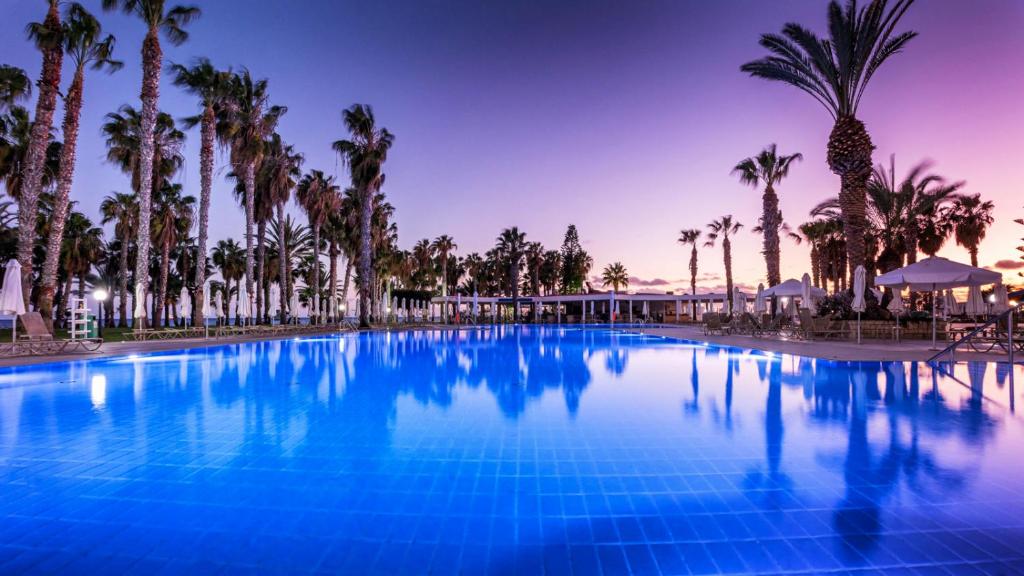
1008	314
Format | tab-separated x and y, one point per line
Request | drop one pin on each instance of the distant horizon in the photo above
622	119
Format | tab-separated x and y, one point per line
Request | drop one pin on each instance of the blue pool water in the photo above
507	450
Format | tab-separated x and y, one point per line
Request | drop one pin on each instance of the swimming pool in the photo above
507	450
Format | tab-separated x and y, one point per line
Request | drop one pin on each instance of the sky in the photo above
623	118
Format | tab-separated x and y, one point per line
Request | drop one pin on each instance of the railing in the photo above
980	332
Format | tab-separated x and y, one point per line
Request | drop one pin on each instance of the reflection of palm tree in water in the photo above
774	486
692	406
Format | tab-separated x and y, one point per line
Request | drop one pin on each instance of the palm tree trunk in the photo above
770	223
123	285
72	112
250	202
62	308
161	294
282	265
207	134
365	263
348	277
693	279
332	277
316	276
727	256
261	268
35	157
514	273
152	60
973	250
849	156
815	265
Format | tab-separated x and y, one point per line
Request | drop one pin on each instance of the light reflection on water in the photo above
527	442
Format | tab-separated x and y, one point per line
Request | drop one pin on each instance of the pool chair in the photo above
37	340
713	325
817	328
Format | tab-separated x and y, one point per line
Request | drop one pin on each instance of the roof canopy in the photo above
793	287
936	274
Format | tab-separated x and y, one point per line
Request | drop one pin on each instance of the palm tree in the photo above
48	38
171	23
768	169
723	228
123	132
281	166
212	87
835	72
319	197
534	264
970	218
691	237
246	123
172	221
86	48
512	246
15	85
229	258
123	210
615	275
364	153
82	246
444	245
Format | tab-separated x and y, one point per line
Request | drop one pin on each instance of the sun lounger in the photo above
37	340
713	325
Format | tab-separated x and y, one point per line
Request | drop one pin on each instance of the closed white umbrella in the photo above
11	300
760	305
646	311
975	302
859	303
294	305
244	309
219	304
950	306
139	314
739	300
1001	300
805	292
185	304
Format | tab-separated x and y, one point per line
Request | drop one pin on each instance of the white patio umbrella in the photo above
950	305
859	303
805	292
11	300
293	306
218	304
244	307
739	300
645	311
975	302
937	274
476	305
185	304
896	304
760	305
206	307
1000	299
140	306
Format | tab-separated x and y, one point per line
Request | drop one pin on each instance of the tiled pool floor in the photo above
519	451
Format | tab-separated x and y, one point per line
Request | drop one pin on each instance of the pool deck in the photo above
868	351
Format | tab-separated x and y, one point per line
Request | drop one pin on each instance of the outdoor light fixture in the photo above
100	294
992	299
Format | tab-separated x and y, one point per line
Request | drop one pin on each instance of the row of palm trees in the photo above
234	112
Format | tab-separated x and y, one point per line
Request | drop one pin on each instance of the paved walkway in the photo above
870	350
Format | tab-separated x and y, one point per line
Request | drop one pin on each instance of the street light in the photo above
100	294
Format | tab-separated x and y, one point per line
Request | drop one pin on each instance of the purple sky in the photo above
624	118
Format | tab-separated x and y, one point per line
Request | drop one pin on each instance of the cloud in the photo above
709	277
1009	264
635	281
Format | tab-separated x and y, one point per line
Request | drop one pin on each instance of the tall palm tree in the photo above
211	86
970	218
534	264
48	38
444	245
512	246
723	228
123	133
172	221
615	275
691	237
281	168
768	168
319	197
247	122
835	72
86	47
81	247
123	210
158	18
365	152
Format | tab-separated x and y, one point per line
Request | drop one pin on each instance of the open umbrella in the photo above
859	303
11	300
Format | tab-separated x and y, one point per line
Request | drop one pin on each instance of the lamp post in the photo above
100	295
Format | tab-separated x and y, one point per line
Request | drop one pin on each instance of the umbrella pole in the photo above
858	327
